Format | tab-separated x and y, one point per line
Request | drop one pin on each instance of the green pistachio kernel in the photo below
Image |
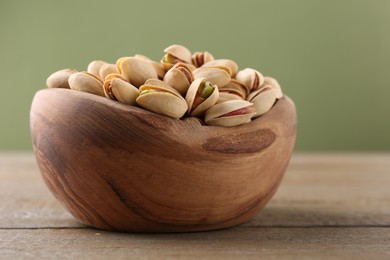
146	91
168	58
206	89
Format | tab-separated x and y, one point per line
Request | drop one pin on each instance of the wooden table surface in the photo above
329	205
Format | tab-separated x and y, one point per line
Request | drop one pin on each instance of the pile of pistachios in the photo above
181	85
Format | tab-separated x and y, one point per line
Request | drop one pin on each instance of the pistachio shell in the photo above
59	79
192	94
162	100
136	70
157	84
180	52
117	88
160	70
177	53
263	100
216	76
119	63
231	66
107	69
215	115
275	84
190	66
199	58
179	77
87	82
250	78
235	87
225	96
95	66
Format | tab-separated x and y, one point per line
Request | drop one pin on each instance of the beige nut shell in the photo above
216	76
226	64
164	100
206	104
59	79
136	70
117	88
214	115
179	77
251	78
84	81
263	99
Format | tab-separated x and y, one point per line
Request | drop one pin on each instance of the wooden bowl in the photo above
122	168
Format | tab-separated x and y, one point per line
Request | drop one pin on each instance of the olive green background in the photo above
331	57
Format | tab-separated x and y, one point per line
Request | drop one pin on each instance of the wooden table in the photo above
329	205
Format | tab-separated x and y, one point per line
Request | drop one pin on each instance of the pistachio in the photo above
161	99
179	77
94	67
216	76
201	95
107	69
160	70
235	87
230	113
263	99
87	82
136	70
190	66
160	83
174	54
225	96
197	85
117	88
230	66
200	58
275	84
59	79
250	78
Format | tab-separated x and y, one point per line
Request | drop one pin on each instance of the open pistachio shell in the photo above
275	84
160	70
199	58
263	99
84	81
119	63
160	83
107	69
230	65
117	88
190	66
251	78
225	96
216	76
94	67
136	70
235	87
59	79
198	99
179	77
230	113
107	84
162	100
174	54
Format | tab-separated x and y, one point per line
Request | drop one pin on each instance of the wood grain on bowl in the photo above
119	167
